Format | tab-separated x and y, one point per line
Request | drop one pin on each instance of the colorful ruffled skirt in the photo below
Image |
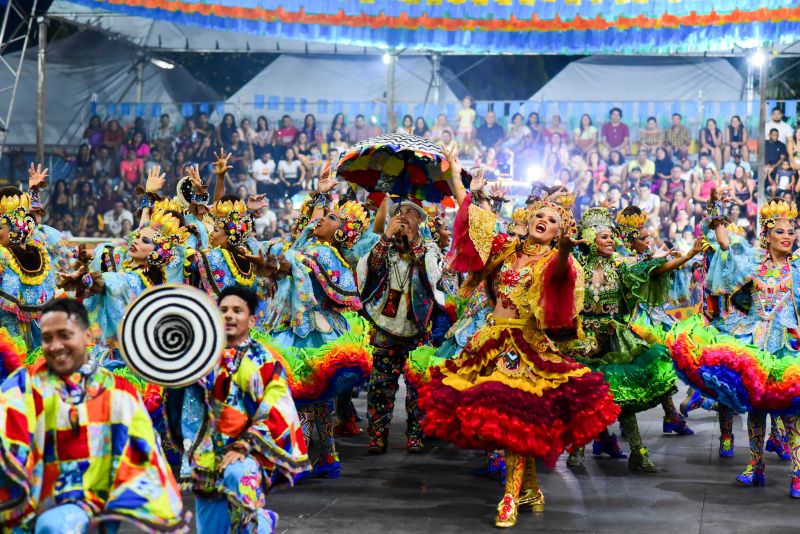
737	375
640	373
510	390
319	366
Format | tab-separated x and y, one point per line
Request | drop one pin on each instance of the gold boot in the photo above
531	492
507	508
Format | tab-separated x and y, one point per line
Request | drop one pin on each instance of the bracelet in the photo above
88	281
148	201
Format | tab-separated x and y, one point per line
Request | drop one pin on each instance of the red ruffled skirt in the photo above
510	390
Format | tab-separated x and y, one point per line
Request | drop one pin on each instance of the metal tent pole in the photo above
40	89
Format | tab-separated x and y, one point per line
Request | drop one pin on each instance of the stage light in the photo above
162	64
386	58
757	58
535	173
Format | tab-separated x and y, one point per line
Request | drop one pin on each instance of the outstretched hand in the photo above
566	242
256	202
455	163
326	181
37	176
155	180
222	163
193	171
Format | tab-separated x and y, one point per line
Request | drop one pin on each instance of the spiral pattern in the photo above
171	335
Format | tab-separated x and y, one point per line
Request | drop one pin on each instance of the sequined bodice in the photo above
511	281
772	288
603	287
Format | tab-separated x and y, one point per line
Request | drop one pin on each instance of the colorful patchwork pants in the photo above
388	362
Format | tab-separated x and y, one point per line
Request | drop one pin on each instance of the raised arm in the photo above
154	184
221	168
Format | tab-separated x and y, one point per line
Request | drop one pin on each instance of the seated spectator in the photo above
264	139
616	164
735	139
263	172
517	132
359	131
156	159
585	135
649	203
131	171
84	161
615	202
108	198
287	220
738	217
188	136
703	162
597	166
536	139
237	151
615	134
711	141
774	152
82	195
672	185
93	134
678	139
203	157
681	201
66	225
313	134
206	128
777	123
113	219
138	146
555	128
440	126
337	124
652	137
702	188
782	180
247	135
406	126
163	137
644	164
60	201
266	223
291	173
285	136
742	189
225	130
489	134
735	162
663	165
793	148
89	223
138	127
126	228
337	143
103	166
449	143
421	128
113	138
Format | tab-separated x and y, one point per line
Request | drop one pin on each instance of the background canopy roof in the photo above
454	26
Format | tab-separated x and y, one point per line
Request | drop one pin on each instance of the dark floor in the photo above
693	492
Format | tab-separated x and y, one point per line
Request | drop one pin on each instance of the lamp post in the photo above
390	59
760	60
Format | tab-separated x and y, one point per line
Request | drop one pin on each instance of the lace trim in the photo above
481	230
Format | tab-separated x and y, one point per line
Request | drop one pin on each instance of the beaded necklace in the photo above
773	283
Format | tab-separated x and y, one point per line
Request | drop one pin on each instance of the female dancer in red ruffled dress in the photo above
510	389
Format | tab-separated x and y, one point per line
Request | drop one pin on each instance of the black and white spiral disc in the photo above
172	335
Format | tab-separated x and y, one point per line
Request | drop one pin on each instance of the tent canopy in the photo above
467	27
84	66
345	79
627	79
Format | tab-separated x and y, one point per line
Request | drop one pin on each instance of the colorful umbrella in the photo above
398	164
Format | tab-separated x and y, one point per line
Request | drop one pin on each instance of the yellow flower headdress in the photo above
14	213
630	222
354	221
772	212
234	219
168	204
520	217
167	234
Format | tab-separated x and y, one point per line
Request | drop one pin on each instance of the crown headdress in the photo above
772	212
562	205
354	221
630	222
593	220
234	219
167	234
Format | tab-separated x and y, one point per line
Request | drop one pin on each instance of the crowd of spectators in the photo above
669	173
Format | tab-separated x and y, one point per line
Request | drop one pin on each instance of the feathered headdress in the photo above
772	212
234	219
354	221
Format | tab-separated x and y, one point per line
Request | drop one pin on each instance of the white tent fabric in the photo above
627	79
166	36
83	66
342	78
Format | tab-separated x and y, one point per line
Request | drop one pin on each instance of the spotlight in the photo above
386	58
535	173
162	64
758	58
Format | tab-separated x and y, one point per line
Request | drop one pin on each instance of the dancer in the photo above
509	389
745	360
105	466
237	428
396	280
640	374
325	354
637	241
27	280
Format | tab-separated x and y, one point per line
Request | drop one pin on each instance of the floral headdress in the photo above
354	221
14	212
167	234
562	205
166	204
772	212
435	221
630	222
595	220
234	219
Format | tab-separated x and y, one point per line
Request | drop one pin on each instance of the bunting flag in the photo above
484	26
